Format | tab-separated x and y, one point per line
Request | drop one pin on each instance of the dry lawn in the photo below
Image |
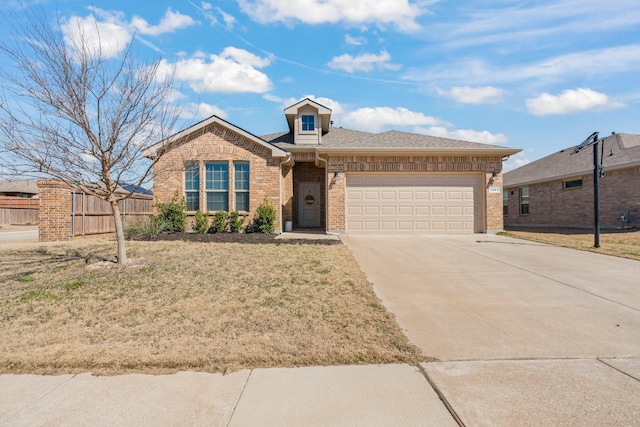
620	243
213	307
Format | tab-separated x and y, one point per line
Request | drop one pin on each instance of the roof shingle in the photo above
619	151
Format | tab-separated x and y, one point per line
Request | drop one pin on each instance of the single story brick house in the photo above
333	179
557	190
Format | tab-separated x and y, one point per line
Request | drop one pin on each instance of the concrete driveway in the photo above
526	333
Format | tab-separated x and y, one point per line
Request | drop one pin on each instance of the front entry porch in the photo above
309	197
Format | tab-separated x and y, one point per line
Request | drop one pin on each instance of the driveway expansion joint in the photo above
618	369
235	406
441	396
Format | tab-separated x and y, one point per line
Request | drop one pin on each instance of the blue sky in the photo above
537	75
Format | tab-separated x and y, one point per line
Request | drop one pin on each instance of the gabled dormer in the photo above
308	121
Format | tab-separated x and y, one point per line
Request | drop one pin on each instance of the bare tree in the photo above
70	112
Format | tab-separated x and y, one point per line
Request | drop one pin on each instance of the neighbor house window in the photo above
308	123
505	203
524	201
217	186
241	185
192	186
576	183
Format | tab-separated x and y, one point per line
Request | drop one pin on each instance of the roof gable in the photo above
167	144
323	112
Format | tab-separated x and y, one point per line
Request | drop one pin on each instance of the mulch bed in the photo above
247	238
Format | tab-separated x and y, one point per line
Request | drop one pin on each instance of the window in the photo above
576	183
241	185
524	201
505	203
192	186
308	124
217	186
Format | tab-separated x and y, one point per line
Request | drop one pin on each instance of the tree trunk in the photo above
122	250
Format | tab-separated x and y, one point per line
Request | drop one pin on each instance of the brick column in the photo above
54	215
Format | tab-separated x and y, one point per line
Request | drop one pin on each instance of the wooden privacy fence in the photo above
18	210
66	213
92	215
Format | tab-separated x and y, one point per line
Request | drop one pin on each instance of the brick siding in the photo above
550	204
217	143
54	215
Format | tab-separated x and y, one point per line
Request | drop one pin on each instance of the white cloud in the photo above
376	118
475	95
110	32
109	38
569	101
515	161
608	61
206	5
484	137
233	71
365	62
170	22
175	95
401	13
355	41
228	19
199	111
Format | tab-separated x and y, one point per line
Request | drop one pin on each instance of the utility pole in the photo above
593	140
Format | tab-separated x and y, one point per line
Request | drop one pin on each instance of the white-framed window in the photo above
505	202
241	185
217	186
308	123
524	201
192	185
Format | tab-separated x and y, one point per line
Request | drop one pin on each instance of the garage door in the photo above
424	203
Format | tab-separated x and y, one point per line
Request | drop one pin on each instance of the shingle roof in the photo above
346	138
620	151
26	186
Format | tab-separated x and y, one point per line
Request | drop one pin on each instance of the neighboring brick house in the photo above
557	190
334	179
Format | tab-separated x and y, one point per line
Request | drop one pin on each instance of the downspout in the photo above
326	189
288	159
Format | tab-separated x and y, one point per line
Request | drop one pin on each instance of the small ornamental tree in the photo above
72	110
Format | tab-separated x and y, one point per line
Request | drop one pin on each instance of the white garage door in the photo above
423	203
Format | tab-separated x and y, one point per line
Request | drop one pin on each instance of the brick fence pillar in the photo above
54	215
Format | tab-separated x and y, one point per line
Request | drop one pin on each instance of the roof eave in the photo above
497	151
152	151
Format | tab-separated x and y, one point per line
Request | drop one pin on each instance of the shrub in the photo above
265	219
144	228
236	222
174	214
219	222
201	224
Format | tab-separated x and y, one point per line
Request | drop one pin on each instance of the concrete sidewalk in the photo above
371	395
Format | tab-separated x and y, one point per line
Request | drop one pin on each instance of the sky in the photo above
537	75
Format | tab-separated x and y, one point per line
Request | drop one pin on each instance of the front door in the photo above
309	204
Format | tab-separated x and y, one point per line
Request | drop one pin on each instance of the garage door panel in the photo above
426	203
391	210
405	210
